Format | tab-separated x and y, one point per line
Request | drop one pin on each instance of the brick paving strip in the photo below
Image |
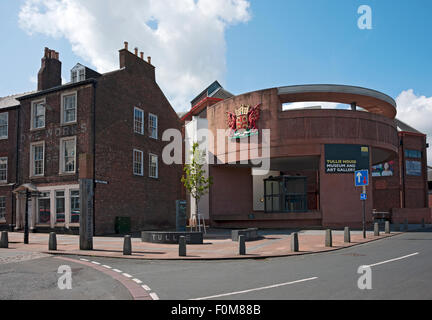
137	291
275	245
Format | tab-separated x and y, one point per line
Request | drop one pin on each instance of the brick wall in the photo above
8	149
150	203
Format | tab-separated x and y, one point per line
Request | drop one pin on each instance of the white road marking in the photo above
392	260
154	296
257	289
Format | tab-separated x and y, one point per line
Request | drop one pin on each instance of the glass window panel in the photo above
44	208
75	206
3	169
139	121
60	206
38	160
138	163
38	115
3	208
153	126
3	125
69	108
69	156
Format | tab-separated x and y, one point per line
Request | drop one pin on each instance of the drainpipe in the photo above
17	171
94	153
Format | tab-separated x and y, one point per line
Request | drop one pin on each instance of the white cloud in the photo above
187	46
416	111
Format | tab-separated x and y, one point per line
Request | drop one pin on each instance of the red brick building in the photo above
313	153
106	127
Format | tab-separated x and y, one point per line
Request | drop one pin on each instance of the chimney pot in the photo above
149	60
126	44
142	55
136	51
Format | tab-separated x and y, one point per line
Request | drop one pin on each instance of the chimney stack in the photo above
49	75
136	52
142	55
149	60
126	44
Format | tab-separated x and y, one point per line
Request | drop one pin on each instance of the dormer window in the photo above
78	73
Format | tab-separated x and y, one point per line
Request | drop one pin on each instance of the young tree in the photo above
194	179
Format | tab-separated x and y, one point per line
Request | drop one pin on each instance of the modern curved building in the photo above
313	154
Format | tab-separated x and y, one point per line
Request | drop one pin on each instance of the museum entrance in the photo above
285	194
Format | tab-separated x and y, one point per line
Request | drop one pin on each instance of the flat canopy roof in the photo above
371	100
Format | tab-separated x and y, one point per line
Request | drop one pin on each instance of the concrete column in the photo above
376	229
294	242
242	245
347	235
328	238
387	227
19	216
4	242
52	244
182	246
86	214
127	246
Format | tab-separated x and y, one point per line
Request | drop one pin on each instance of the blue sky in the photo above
315	41
281	43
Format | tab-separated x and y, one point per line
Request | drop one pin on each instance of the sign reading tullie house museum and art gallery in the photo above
243	123
346	158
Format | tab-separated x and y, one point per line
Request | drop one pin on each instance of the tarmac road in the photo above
401	269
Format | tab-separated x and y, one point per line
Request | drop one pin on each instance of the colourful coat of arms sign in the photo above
243	123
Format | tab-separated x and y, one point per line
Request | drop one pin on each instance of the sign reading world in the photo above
346	158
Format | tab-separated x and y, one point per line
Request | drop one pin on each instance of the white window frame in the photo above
75	73
150	166
62	111
32	168
32	117
142	122
3	159
151	127
62	169
142	162
7	125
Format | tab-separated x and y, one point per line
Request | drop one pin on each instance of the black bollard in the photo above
127	246
328	238
182	246
4	242
52	244
347	235
242	245
294	242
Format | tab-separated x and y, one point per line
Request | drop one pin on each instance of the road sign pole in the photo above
364	214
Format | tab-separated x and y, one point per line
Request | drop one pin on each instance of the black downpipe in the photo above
94	153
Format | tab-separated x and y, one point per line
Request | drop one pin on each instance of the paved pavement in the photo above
217	245
401	270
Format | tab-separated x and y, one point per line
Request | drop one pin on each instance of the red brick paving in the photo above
276	245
